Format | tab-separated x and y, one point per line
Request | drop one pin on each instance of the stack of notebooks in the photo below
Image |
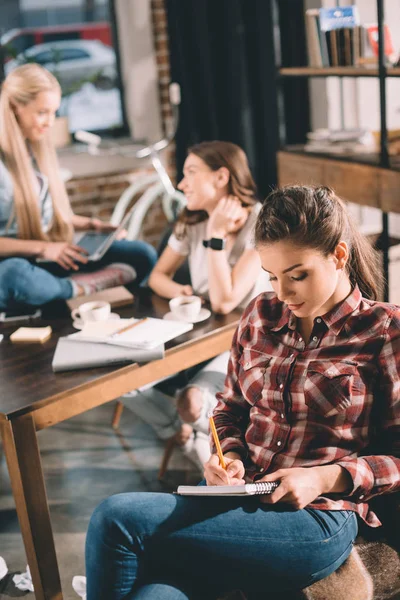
340	141
336	38
105	343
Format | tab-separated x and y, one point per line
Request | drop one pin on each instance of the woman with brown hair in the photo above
215	234
36	220
310	402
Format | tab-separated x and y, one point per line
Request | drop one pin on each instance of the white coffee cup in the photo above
185	307
92	311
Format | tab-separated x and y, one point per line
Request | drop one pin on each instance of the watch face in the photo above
216	244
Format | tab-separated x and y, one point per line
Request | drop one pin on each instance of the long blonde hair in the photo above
21	87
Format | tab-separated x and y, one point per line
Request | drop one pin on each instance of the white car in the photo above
73	62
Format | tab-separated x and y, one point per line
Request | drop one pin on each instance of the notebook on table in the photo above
247	489
140	333
117	296
72	356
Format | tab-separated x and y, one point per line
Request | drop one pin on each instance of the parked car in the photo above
73	62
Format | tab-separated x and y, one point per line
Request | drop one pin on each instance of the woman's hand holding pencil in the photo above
220	469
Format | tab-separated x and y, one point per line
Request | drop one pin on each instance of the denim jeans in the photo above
152	545
23	282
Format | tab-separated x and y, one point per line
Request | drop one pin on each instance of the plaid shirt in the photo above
288	404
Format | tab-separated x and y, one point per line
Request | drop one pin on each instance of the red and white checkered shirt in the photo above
288	404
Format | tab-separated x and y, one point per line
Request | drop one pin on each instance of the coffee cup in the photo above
92	311
185	307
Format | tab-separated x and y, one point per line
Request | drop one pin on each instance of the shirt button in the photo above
247	365
300	339
361	496
318	320
282	416
261	469
291	356
280	386
280	444
315	339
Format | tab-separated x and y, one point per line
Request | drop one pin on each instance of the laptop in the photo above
97	244
71	355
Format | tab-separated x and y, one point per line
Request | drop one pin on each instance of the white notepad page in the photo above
147	334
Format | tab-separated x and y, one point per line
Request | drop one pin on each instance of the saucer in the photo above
78	324
202	316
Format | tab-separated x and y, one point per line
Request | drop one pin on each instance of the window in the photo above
41	57
74	54
73	39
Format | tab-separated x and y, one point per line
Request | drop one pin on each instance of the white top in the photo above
8	222
192	246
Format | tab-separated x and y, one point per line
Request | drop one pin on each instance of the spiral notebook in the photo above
247	489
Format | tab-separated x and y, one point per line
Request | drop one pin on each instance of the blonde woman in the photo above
36	220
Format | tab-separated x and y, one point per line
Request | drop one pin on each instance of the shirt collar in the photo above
335	319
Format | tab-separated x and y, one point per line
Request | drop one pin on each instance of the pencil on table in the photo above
131	326
216	442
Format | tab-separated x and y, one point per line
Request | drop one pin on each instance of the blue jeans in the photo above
152	545
23	282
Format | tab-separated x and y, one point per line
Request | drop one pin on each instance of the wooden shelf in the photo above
362	183
336	72
372	158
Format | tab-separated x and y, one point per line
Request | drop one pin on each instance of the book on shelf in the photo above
339	17
340	141
336	38
370	53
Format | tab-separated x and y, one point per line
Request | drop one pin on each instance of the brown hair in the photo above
20	87
315	217
217	154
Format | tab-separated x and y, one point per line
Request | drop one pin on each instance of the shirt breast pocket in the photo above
328	386
255	374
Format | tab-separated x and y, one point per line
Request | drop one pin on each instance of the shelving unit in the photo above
337	72
366	179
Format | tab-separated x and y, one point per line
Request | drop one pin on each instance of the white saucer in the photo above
202	316
78	324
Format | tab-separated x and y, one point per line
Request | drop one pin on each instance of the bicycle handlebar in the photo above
93	141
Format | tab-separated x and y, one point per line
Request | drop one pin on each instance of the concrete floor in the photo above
84	461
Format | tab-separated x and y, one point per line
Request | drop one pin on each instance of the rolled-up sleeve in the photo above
380	473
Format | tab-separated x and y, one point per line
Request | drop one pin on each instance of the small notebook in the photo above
248	489
117	296
148	333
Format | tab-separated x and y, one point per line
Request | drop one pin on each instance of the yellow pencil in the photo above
216	442
131	326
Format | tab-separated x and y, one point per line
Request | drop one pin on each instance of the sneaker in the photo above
108	277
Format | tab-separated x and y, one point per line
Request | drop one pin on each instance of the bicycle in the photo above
152	186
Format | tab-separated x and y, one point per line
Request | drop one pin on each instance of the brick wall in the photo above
97	196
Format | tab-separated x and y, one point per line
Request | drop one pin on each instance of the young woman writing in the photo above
311	401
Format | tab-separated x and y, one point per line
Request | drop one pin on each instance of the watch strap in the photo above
215	243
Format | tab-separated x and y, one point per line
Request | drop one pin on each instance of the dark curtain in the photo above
222	55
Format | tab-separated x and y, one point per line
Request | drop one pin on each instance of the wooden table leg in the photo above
27	481
119	407
169	448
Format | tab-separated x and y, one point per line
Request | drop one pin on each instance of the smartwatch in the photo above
215	243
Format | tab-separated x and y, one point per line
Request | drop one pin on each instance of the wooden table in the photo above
33	398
